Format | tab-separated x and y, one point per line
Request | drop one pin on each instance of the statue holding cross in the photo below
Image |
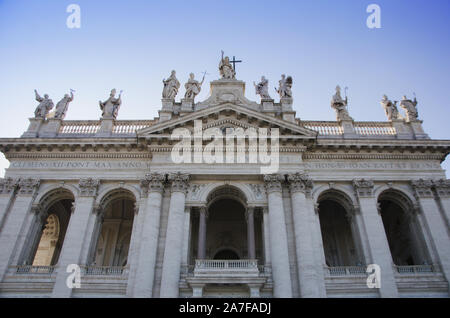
226	70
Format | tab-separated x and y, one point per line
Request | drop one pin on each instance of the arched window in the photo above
403	233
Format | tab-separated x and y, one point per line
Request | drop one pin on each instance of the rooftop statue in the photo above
262	88
390	108
171	86
285	87
340	105
63	105
110	107
225	68
193	87
410	108
44	107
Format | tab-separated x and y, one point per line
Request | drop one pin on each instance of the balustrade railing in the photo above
374	128
30	269
346	270
242	264
131	126
103	270
323	127
416	269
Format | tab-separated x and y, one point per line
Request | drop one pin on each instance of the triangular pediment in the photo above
228	115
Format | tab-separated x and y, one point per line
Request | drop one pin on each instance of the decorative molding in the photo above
363	188
153	182
422	188
365	156
273	182
79	156
8	185
180	182
300	182
442	187
28	186
194	191
258	190
88	187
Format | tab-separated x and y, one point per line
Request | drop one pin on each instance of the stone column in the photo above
143	268
8	188
174	237
78	231
14	224
310	273
201	250
278	238
435	222
442	188
265	211
251	233
376	236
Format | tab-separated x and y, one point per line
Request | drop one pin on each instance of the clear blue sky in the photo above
132	45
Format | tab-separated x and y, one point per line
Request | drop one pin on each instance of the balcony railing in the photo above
346	271
416	269
213	264
30	269
103	270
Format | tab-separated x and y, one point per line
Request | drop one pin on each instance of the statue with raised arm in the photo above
110	107
340	105
390	108
171	86
63	105
44	107
410	108
262	88
225	68
193	87
285	87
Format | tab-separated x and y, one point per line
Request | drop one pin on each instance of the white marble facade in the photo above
105	195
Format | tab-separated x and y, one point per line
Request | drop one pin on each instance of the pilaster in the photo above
376	236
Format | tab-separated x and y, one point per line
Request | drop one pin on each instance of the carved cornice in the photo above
153	182
8	185
79	155
273	182
442	187
180	182
365	156
363	188
88	187
299	182
28	186
422	188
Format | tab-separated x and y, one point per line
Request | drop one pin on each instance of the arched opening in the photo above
226	232
403	233
338	230
48	232
114	229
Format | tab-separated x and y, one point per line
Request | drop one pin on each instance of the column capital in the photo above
422	188
88	187
273	182
28	186
153	182
180	182
300	182
8	185
442	187
363	187
249	210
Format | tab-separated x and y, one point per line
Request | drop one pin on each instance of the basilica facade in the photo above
144	208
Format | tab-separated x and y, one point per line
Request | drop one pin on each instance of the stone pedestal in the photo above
106	128
282	287
51	128
348	129
33	128
403	131
267	105
187	105
416	127
286	104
